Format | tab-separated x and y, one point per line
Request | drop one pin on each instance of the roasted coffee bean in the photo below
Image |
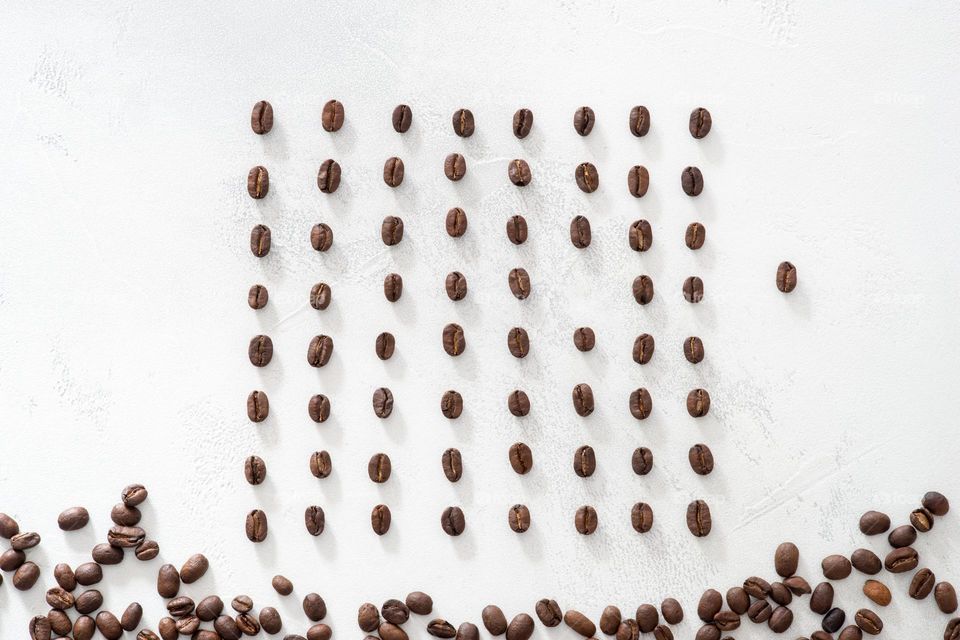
321	237
519	518
328	176
256	526
90	573
643	289
168	581
379	468
455	167
698	403
922	520
314	520
901	560
640	235
315	608
88	601
868	621
261	118
84	628
700	123
456	223
257	296
699	521
73	519
641	517
391	230
583	399
738	600
583	120
125	537
549	612
402	118
467	631
59	598
521	458
270	620
8	526
874	522
108	625
319	632
65	576
693	349
936	503
390	631
786	277
463	124
452	464
147	550
710	604
952	630
647	618
332	116
580	234
25	540
701	461
39	628
520	628
585	520
452	521
584	339
662	632
197	564
260	350
419	603
380	519
642	461
282	585
628	630
759	611
246	622
692	181
522	123
456	286
696	235
780	594
393	172
757	587
382	402
134	495
726	621
584	461
517	229
518	342
258	182
638	181
643	348
395	611
780	620
878	592
519	172
866	561
786	557
708	632
672	611
60	623
518	403
319	351
320	464
519	282
693	289
454	342
580	623
587	177
209	608
946	597
225	626
639	121
921	585
320	295
821	600
798	586
180	607
440	628
258	408
385	345
902	536
835	567
106	554
610	620
318	408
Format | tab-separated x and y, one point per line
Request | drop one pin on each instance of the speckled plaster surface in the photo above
124	271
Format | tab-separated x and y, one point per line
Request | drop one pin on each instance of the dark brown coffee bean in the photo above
65	576
866	561
391	231
321	237
580	234
260	350
281	585
452	521
258	182
125	537
946	597
517	229
90	573
88	601
402	118
246	622
261	118
610	620
549	612
256	526
638	181
901	560
8	526
314	519
455	167
693	289
463	124
922	520
108	625
521	458
456	223
147	550
877	592
696	235
701	461
494	620
419	603
452	464
209	608
106	554
643	348
821	600
518	517
693	349
467	631
902	536
519	282
320	631
180	607
642	461
321	465
379	468
580	623
254	470
392	287
700	123
197	564
936	503
328	176
584	339
643	289
519	172
518	403
59	598
759	611
692	181
332	116
583	399
382	402
587	177
662	632
836	567
640	235
395	612
738	600
699	521
628	630
647	618
757	587
780	593
440	628
641	404
320	295
583	120
639	121
698	403
522	123
454	342
258	408
584	461
380	519
315	608
260	240
225	626
726	621
868	621
456	286
641	517
709	605
73	519
25	540
393	172
780	620
39	628
60	623
786	277
319	351
518	342
84	628
270	620
920	586
318	408
851	632
585	520
385	345
786	557
672	611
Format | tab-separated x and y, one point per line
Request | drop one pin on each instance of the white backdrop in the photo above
125	267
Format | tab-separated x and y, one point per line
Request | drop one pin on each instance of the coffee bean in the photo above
580	623
332	116
379	468
133	495
328	176
580	234
700	123
692	181
73	519
519	281
321	237
454	342
696	235
866	561
392	287
922	584
391	231
318	408
258	182
585	521
780	594
641	404
641	517
757	587
224	625
88	601
319	351
125	537
786	557
946	597
521	458
467	631
786	277
261	118
256	526
402	118
452	464
868	621
738	600
382	402
209	608
587	177
821	600
952	630
672	611
257	297
727	621
642	461
522	123
798	586
390	631
820	634
699	521
39	628
709	605
549	612
84	628
320	464
936	503
451	404
698	403
380	519
452	521
254	470
922	520
693	289
395	612
147	550
878	592
647	618
25	540
662	632
874	522
65	577
902	536
701	461
584	461
463	124
519	518
59	598
440	628
419	603
108	625
639	121
780	620
584	339
494	620
583	399
385	345
455	167
610	620
246	622
270	620
260	240
519	172
106	554
638	181
168	581
518	403
89	573
456	223
518	342
643	348
8	526
640	235
835	567
320	296
693	349
901	560
393	172
180	607
60	623
628	630
260	350
760	611
456	286
583	120
314	519
643	289
517	229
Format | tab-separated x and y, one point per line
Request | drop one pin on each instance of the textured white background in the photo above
124	270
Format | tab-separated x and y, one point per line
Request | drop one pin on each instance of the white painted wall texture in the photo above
125	267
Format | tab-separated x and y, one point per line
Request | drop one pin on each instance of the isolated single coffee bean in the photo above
257	297
455	167
699	520
786	558
517	229
452	464
454	341
693	289
391	230
73	519
518	403
641	404
393	172
256	526
380	519
518	171
332	116
456	286
260	240
419	603
585	520
786	277
578	622
463	123
321	237
318	408
584	339
691	180
700	123
258	182
583	402
945	596
587	177
639	122
328	176
320	295
549	612
456	222
385	345
640	235
382	402
314	519
401	118
643	347
638	181
641	518
261	118
392	287
321	465
642	461
701	461
451	404
672	611
693	349
836	567
902	536
922	584
319	351
518	517
518	342
521	458
522	123
643	289
254	470
695	236
315	608
583	120
260	350
519	281
936	503
452	521
584	461
874	522
168	581
580	234
698	403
